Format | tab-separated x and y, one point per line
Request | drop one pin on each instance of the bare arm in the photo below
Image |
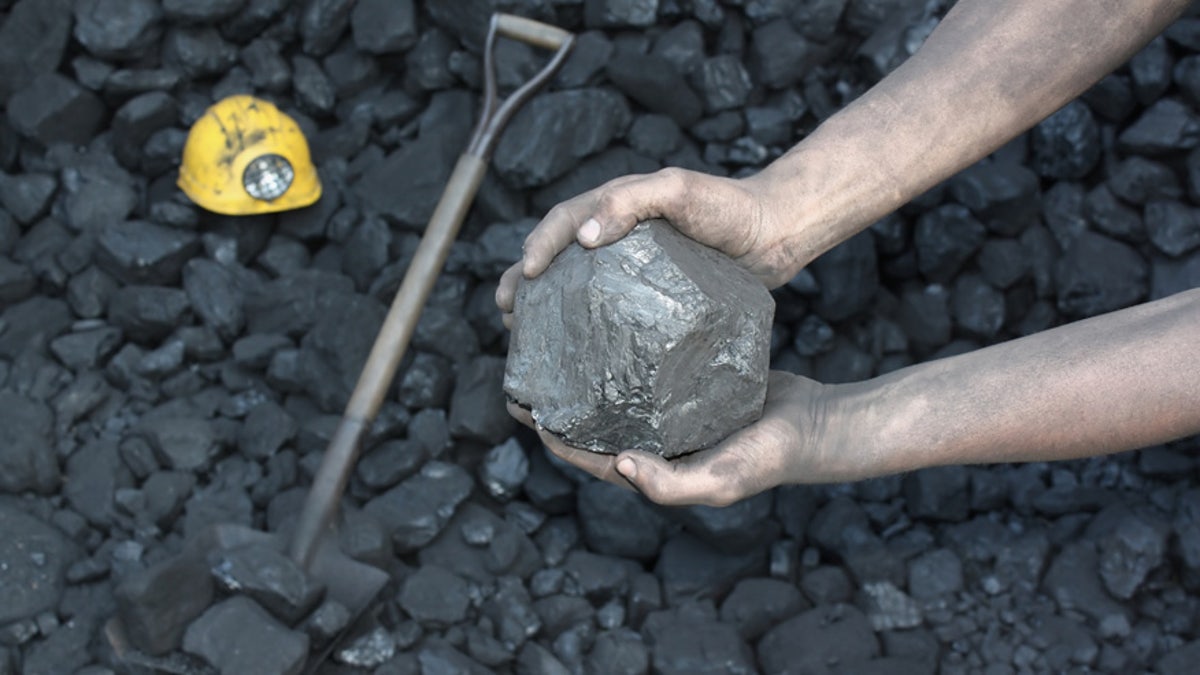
1124	380
989	71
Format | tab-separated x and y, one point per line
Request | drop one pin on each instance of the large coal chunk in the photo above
654	342
654	82
32	41
238	636
384	26
1166	126
548	137
139	252
117	29
1067	144
1099	275
53	109
36	557
27	456
156	605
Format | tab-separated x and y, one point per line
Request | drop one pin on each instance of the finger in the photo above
600	465
506	290
675	483
521	415
624	202
572	220
507	319
554	233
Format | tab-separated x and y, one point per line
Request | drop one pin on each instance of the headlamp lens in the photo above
268	177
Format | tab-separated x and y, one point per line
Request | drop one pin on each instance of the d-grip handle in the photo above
531	32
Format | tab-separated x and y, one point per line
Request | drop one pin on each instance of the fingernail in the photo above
627	468
590	232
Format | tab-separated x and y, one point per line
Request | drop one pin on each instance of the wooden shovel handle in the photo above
531	32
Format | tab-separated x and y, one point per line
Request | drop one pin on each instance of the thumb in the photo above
672	483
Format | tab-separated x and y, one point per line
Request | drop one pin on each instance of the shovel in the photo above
313	545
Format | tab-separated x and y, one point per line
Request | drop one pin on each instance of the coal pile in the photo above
163	368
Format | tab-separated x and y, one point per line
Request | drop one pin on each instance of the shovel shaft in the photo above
385	356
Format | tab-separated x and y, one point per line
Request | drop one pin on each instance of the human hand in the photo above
800	438
734	216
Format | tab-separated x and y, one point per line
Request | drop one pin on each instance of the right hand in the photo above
730	215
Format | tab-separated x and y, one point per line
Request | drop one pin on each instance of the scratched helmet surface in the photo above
244	156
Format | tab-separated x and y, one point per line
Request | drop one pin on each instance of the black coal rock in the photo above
384	26
730	318
756	604
936	574
416	510
723	83
238	636
53	109
504	469
977	307
724	649
1073	580
156	605
140	252
1066	145
555	130
198	52
1173	226
1167	126
1002	195
204	11
322	22
945	238
779	56
27	196
1150	70
848	276
147	313
268	577
619	522
619	13
621	652
1098	275
32	41
1002	262
215	293
435	597
656	84
834	633
26	450
692	569
477	408
37	556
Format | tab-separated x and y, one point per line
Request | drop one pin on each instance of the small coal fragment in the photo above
156	605
94	474
477	408
756	604
140	252
1098	275
236	636
435	597
1129	550
53	109
834	633
945	238
1150	70
416	510
1073	580
32	41
722	82
977	307
208	11
727	322
198	52
1173	226
268	577
724	649
384	26
619	522
620	652
1167	126
183	443
26	450
215	293
619	13
37	556
739	527
504	469
655	83
27	196
147	313
848	276
936	574
925	316
322	22
690	568
1002	195
555	130
779	57
1066	145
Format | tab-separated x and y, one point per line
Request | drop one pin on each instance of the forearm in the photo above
1124	380
988	72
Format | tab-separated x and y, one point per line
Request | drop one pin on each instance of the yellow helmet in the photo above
244	156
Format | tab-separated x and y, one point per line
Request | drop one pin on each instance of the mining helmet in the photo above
244	156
